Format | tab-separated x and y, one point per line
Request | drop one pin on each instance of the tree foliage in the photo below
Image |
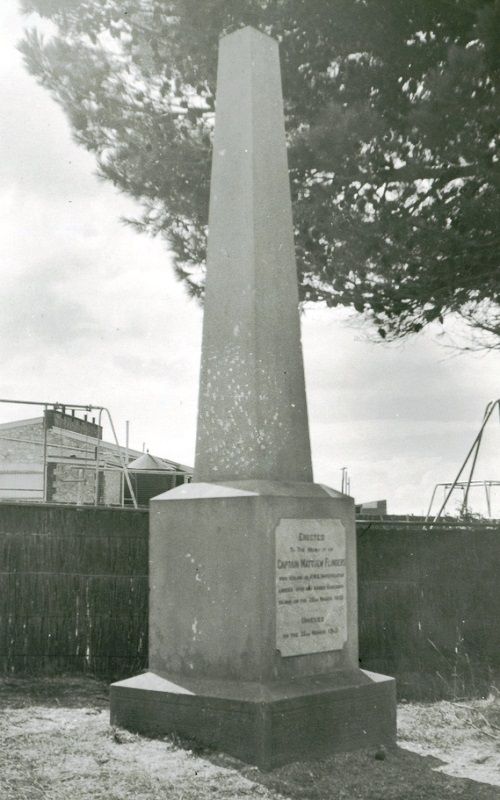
393	119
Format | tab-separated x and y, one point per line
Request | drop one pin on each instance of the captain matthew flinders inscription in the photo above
311	615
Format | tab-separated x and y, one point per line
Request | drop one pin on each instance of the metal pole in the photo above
432	500
127	432
46	403
488	499
487	414
45	454
473	466
96	494
123	465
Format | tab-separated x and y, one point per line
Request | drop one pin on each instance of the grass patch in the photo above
56	744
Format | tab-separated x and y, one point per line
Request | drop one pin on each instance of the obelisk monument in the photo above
252	419
253	592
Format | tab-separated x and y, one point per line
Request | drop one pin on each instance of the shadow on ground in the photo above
56	692
401	775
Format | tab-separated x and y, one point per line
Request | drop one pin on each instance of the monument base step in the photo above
263	724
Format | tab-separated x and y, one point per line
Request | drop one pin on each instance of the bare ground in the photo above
56	744
464	735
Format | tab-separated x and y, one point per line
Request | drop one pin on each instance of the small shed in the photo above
150	476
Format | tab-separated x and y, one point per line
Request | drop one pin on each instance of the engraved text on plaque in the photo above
311	614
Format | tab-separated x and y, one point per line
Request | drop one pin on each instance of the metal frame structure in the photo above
471	456
75	407
465	486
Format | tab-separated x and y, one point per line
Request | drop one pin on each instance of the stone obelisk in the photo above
252	420
253	594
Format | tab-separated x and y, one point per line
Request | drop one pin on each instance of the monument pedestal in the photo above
267	725
253	626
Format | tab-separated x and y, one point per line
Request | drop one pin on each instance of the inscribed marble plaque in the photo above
311	614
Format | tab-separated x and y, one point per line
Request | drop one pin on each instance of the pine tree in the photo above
393	119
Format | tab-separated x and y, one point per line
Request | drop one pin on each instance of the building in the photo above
374	508
62	458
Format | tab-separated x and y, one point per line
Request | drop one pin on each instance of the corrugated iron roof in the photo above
149	462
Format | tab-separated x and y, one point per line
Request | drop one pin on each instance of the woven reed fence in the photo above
74	590
429	605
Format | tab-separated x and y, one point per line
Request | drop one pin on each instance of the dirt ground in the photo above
464	735
56	744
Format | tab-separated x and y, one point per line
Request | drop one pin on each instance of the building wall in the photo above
21	461
112	488
21	481
21	465
22	444
71	471
63	444
68	483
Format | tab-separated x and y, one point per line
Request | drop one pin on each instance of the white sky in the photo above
91	313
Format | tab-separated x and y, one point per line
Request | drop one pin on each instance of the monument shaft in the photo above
252	418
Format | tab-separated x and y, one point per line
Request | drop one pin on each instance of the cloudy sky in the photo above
91	313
